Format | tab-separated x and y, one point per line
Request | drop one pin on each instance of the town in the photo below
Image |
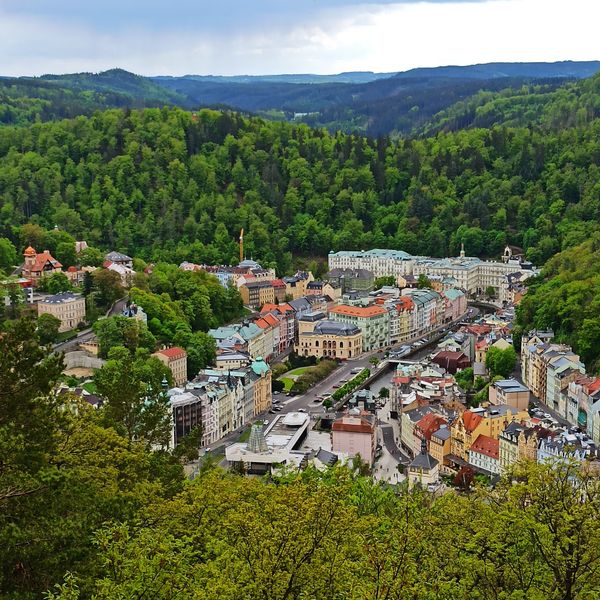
406	364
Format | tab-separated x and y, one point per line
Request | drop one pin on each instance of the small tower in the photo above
257	442
29	256
462	249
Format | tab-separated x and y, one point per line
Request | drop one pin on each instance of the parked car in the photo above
302	410
266	421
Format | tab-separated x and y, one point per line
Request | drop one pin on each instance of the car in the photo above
302	410
266	421
276	392
336	386
343	380
272	412
277	408
318	400
355	371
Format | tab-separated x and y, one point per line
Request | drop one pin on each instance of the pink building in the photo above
354	434
456	304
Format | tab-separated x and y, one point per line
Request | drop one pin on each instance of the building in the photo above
509	392
373	321
451	361
176	359
439	444
471	274
330	339
255	293
36	266
277	446
355	434
474	422
119	259
187	415
427	305
424	470
484	454
67	306
262	392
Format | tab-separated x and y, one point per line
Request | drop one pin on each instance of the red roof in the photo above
29	251
484	444
429	424
42	259
271	319
471	420
363	427
277	283
72	269
405	303
173	353
358	311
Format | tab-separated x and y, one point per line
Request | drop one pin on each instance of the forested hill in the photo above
550	106
167	184
367	103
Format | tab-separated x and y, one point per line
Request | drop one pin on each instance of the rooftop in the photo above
61	298
358	311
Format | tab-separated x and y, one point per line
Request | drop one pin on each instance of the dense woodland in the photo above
88	510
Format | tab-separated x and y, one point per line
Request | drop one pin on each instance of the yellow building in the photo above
440	444
330	339
68	307
176	359
257	293
262	393
472	423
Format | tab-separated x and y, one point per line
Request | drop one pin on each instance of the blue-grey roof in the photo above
327	327
511	385
60	298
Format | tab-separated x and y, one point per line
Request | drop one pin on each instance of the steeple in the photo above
423	446
462	249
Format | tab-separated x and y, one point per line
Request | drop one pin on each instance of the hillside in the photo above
550	105
164	184
566	298
368	103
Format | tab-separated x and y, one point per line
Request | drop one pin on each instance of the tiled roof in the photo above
471	420
42	259
348	425
358	311
429	424
486	445
173	353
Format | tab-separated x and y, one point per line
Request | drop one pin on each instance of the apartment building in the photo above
176	360
509	392
373	321
66	306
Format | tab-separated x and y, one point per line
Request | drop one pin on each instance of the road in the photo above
85	335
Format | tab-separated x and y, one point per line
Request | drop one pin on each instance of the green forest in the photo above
88	510
164	184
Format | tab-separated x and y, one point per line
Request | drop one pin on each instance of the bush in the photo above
351	385
296	361
311	377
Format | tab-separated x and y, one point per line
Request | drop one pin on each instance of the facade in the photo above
470	274
37	265
491	422
373	321
439	444
330	339
484	454
424	470
509	392
255	293
176	359
427	303
67	306
354	434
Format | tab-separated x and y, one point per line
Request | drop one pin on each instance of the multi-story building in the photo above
582	403
358	280
484	453
424	470
509	392
67	306
176	359
119	258
257	292
37	265
330	339
472	423
355	434
440	444
373	321
426	310
402	315
471	274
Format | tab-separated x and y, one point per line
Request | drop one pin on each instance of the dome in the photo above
29	251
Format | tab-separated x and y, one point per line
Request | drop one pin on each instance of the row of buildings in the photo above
471	274
555	374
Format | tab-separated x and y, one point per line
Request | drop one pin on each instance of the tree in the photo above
384	392
55	283
490	291
136	403
109	287
202	351
123	331
90	257
65	253
423	282
47	328
8	255
500	362
388	280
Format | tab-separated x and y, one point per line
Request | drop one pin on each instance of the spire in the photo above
257	442
423	446
462	249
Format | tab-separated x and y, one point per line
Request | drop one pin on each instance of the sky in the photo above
259	37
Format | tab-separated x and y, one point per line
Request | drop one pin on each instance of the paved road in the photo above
387	433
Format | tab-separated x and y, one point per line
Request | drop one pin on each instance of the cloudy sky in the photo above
228	37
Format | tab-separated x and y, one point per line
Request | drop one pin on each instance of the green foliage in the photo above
183	187
107	287
500	362
47	328
464	378
136	402
566	298
313	375
384	392
202	351
123	331
8	255
351	385
55	283
423	282
389	280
